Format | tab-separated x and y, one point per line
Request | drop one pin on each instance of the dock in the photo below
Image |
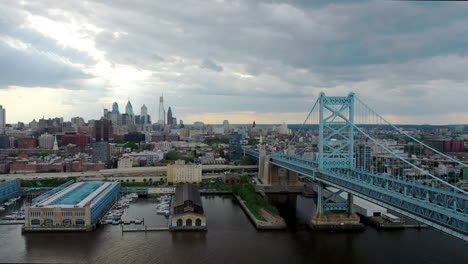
11	222
146	229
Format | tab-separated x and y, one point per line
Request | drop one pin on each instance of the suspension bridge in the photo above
342	144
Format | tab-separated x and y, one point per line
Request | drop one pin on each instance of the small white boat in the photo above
2	208
138	221
126	222
115	222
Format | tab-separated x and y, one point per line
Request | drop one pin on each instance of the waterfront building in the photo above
187	209
235	148
9	188
181	172
71	207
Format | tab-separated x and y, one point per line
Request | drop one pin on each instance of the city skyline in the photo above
263	61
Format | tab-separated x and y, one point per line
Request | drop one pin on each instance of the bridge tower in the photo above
336	142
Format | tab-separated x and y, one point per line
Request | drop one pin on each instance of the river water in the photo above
231	238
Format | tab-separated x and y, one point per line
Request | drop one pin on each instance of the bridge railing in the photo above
440	208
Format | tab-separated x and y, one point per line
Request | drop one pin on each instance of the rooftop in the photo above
186	192
76	195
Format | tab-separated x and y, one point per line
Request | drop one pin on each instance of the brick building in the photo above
27	143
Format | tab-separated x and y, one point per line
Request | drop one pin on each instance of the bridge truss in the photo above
345	144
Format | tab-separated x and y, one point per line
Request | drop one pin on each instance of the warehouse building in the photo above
9	188
187	209
71	207
181	173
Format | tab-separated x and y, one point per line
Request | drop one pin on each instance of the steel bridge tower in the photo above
336	151
336	135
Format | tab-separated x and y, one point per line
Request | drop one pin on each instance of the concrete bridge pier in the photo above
334	212
270	174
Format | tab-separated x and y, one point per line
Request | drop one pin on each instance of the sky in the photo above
244	61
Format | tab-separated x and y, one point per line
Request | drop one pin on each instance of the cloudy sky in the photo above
238	60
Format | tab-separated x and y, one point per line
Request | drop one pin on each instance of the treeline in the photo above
253	201
212	141
46	182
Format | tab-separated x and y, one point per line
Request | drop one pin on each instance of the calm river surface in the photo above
231	238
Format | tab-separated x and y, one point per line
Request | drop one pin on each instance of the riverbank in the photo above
259	224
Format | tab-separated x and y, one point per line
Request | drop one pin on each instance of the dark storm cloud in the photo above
210	64
407	51
22	68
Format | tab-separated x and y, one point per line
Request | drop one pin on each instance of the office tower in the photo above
115	108
235	148
182	124
226	126
2	119
144	115
162	112
46	141
169	116
129	111
102	130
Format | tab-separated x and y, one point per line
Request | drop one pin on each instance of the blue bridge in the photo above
349	154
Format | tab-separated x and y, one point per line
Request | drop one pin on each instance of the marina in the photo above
108	244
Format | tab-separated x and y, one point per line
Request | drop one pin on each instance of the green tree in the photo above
131	145
172	155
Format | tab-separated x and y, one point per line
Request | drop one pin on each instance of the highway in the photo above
137	171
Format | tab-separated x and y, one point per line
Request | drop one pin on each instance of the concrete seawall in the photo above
260	225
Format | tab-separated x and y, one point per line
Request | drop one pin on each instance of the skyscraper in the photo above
115	108
169	116
226	127
162	112
235	148
2	119
102	130
144	115
363	157
129	111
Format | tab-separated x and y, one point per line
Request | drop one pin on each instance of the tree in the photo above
130	145
172	155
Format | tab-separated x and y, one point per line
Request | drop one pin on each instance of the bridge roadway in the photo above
442	209
137	171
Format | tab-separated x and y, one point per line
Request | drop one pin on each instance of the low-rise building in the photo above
187	209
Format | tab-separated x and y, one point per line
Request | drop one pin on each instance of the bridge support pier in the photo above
333	211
